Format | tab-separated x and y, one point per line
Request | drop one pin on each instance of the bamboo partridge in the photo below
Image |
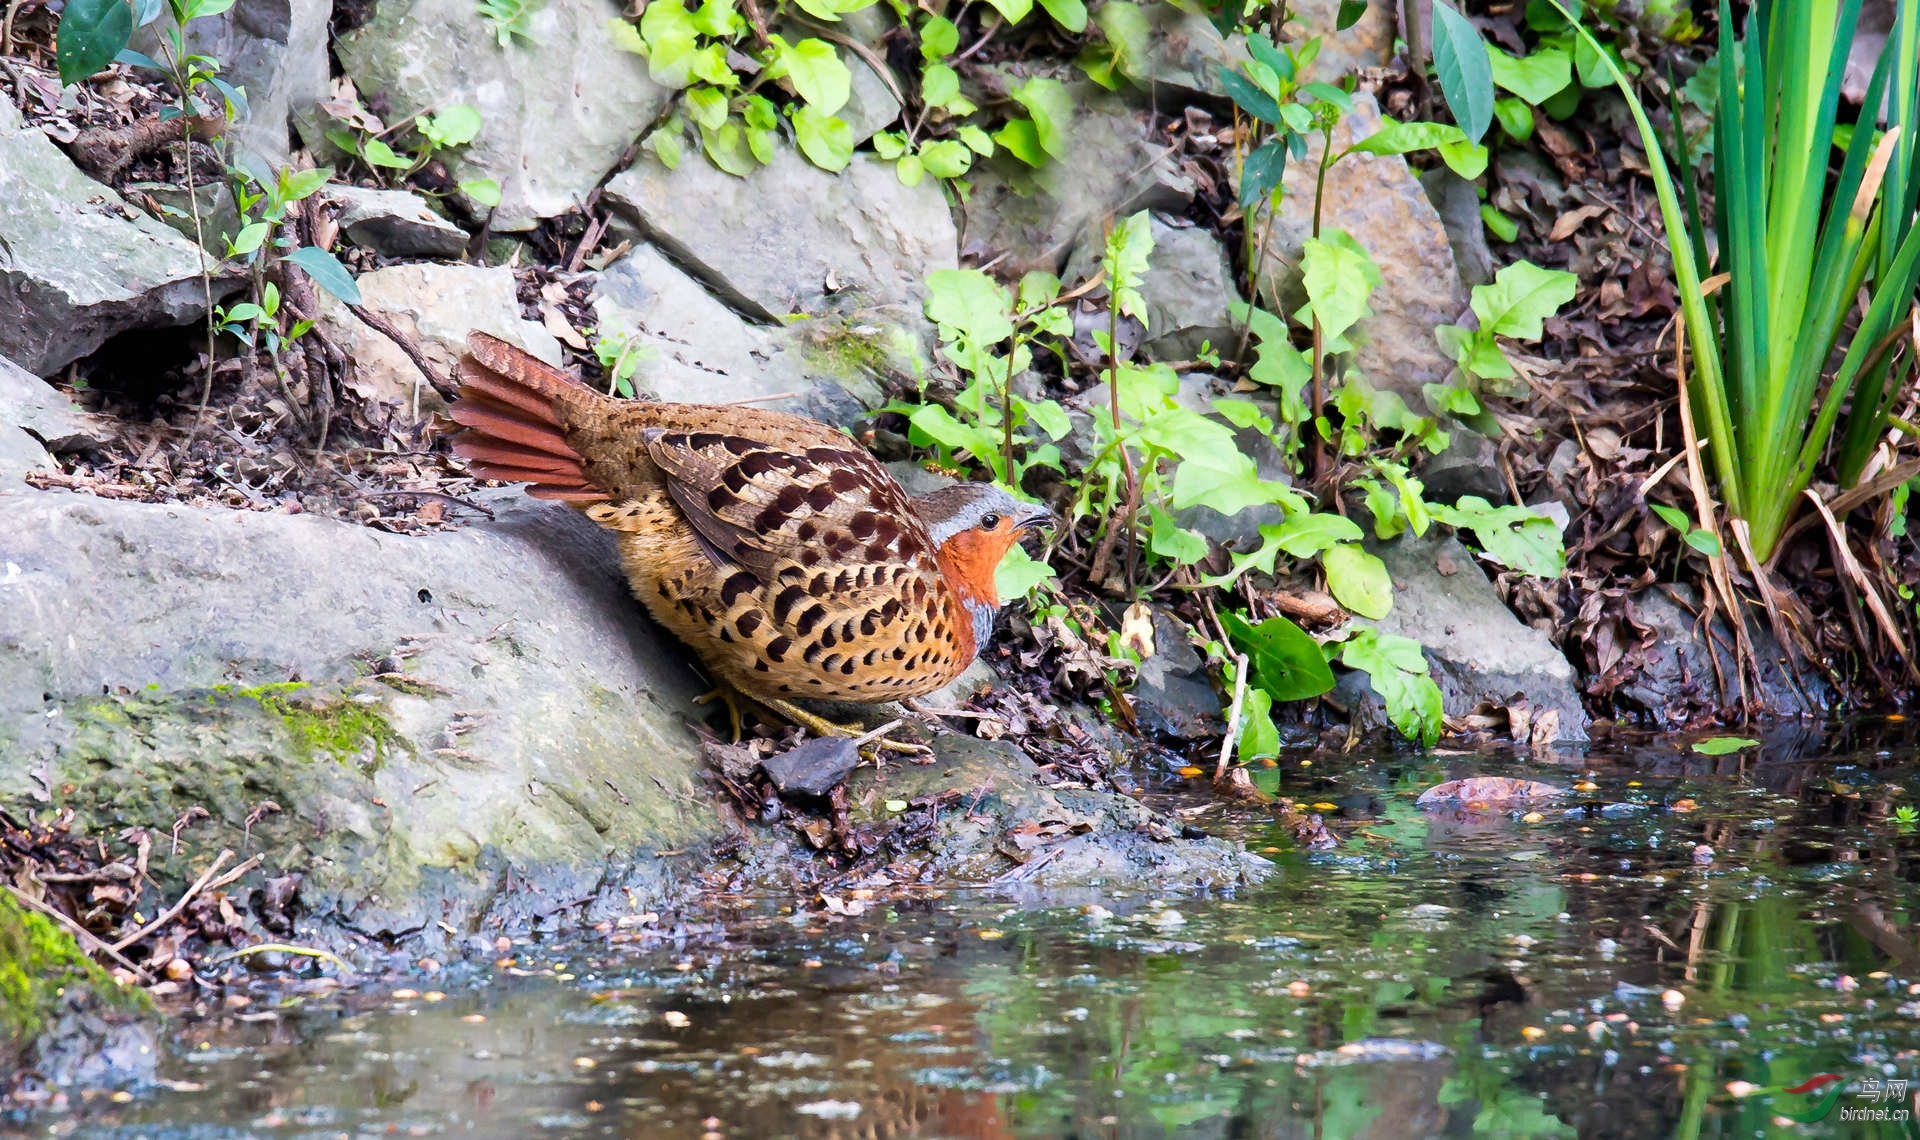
775	546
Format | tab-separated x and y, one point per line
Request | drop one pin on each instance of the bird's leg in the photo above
821	726
724	693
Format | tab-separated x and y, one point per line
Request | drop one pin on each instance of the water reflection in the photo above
1684	926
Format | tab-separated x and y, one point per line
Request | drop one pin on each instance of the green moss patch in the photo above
42	971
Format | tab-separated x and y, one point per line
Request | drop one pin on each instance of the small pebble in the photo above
675	1019
1673	999
179	969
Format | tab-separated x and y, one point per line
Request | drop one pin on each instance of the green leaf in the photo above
1537	77
727	148
1019	574
939	84
378	153
296	186
1520	297
244	311
1512	536
1051	106
1283	660
1466	76
1338	278
1673	516
249	239
717	18
456	125
967	303
939	38
91	33
1704	542
1327	93
1358	580
1069	14
1395	137
1260	176
825	139
1349	14
1128	33
1168	539
1498	224
665	145
1021	139
889	144
1397	670
1723	745
706	106
1516	117
1258	737
672	43
486	192
948	158
1306	535
327	272
909	170
815	71
1014	10
1249	98
895	806
1128	250
1243	414
976	140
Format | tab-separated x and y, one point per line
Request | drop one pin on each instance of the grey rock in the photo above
36	420
437	306
1366	45
1188	286
1458	204
277	51
1477	649
1676	683
219	217
79	264
395	223
528	747
871	106
1186	52
1469	466
1111	169
70	1025
792	238
812	767
557	109
1124	843
1380	203
698	350
1172	699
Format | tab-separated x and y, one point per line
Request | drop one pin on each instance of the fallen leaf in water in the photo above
1488	791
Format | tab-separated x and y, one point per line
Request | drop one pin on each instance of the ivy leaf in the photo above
486	192
455	125
248	240
1338	278
1129	247
1171	541
378	153
948	158
1019	573
1051	106
91	33
327	272
977	140
1258	736
1512	536
672	43
1014	10
707	106
1521	296
1466	74
1069	14
909	171
968	304
824	138
939	85
1305	535
1283	660
1129	35
1243	414
1225	479
1397	670
1358	580
727	148
815	70
1537	77
939	38
1021	139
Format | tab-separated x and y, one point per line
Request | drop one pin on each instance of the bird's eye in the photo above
989	521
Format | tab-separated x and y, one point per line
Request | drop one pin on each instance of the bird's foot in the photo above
732	699
821	726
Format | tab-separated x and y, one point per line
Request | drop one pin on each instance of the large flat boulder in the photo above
441	733
37	421
77	263
557	108
695	349
792	238
274	49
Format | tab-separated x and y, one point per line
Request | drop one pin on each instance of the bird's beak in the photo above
1034	518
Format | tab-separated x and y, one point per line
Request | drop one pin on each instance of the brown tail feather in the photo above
511	427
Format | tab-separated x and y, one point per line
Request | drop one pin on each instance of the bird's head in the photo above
972	526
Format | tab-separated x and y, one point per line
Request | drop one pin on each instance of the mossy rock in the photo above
62	1016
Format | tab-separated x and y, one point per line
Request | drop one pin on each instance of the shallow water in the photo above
1591	973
